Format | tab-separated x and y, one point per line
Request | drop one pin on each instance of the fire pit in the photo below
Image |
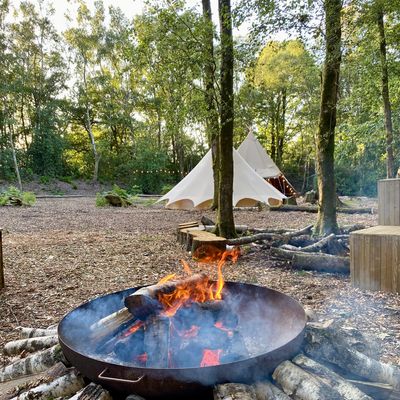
241	339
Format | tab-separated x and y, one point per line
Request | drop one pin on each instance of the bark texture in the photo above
327	120
212	122
390	170
226	225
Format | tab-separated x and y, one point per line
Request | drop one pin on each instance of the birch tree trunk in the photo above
327	222
14	156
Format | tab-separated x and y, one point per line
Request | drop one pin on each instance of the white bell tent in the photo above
196	190
256	156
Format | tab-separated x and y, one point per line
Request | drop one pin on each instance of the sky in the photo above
129	7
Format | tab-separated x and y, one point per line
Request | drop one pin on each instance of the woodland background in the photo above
116	100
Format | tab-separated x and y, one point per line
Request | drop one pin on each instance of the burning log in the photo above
26	333
268	391
30	345
33	364
345	388
63	386
303	385
109	324
92	392
237	391
313	261
323	345
146	300
156	341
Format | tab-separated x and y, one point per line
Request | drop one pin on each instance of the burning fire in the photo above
198	329
202	289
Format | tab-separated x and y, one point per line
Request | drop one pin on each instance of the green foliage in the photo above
166	188
101	200
44	179
117	196
135	190
14	196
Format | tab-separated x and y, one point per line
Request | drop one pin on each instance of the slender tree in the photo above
390	169
327	222
225	222
212	122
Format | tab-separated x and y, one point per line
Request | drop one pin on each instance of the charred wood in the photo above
26	333
313	261
345	388
302	385
30	345
92	392
157	342
237	391
145	301
33	364
268	391
63	386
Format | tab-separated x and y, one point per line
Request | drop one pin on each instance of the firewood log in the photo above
26	333
156	341
238	228
92	392
314	261
145	301
33	364
302	385
63	386
109	324
346	389
237	391
329	347
268	391
314	209
30	345
318	245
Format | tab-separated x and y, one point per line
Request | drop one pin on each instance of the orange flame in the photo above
197	288
134	328
221	326
210	358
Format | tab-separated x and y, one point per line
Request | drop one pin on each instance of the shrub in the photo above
16	197
101	200
166	188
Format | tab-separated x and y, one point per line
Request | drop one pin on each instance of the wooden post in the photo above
2	283
374	258
389	202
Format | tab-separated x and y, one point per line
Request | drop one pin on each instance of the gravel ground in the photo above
62	252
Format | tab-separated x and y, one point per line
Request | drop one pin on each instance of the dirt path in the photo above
62	252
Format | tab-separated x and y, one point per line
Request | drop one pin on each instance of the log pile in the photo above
335	363
298	247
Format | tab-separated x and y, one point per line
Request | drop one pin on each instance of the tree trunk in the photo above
390	170
212	122
88	125
14	156
225	223
327	222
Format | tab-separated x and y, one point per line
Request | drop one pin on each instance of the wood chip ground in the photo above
64	251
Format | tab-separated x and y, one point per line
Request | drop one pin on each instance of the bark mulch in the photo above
62	252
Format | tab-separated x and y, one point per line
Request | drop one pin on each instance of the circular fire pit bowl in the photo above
270	323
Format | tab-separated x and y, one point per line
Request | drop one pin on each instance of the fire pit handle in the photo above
110	378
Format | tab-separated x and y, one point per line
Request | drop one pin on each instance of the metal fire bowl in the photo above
272	321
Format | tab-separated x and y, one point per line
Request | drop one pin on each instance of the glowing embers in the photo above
184	322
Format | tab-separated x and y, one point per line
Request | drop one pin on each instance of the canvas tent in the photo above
196	190
255	155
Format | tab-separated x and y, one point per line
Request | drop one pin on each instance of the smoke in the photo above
237	339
